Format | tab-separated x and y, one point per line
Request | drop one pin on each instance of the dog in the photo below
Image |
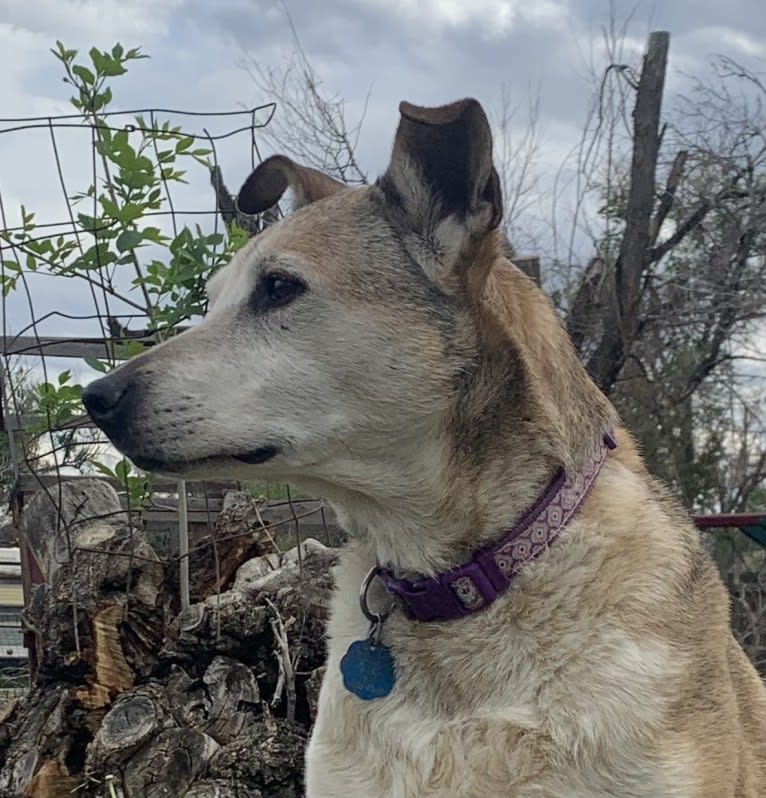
538	617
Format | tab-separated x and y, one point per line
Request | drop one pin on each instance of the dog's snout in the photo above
106	399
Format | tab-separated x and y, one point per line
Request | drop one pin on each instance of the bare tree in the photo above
517	150
310	123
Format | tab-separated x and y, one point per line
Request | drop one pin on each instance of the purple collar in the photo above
475	584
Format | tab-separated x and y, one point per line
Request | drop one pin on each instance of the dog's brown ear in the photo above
270	179
441	166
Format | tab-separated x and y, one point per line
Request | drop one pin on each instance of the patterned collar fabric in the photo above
475	584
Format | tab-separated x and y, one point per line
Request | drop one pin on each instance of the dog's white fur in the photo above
517	700
426	388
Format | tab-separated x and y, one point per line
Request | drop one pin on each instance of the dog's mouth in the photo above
254	457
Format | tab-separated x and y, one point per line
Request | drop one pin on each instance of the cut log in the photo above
231	690
274	765
134	718
217	703
222	789
52	780
238	536
167	766
42	729
54	516
114	578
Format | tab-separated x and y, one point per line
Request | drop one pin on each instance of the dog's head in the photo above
375	331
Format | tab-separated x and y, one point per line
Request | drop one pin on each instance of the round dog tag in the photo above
368	670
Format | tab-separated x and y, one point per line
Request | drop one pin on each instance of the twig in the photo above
286	678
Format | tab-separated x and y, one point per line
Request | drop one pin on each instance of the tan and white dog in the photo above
377	348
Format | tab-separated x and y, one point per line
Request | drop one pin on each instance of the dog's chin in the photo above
206	467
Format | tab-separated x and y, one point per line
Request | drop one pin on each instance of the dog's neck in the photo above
421	515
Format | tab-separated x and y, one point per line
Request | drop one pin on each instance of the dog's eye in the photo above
277	290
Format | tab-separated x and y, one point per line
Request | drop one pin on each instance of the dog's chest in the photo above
492	705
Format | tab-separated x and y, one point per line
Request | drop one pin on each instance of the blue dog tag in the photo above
368	669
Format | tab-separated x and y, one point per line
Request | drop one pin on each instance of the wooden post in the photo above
621	322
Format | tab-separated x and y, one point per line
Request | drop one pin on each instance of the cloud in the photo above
493	17
425	51
91	20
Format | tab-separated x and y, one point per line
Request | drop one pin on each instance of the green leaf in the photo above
110	208
104	469
138	179
165	156
134	53
128	239
120	139
111	67
130	212
122	470
128	349
184	143
63	55
97	365
98	59
85	75
88	223
144	164
94	257
154	235
64	377
117	52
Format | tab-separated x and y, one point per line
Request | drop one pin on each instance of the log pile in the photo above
136	700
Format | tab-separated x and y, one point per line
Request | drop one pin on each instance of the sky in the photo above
373	53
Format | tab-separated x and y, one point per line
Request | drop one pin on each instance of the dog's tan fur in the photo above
427	388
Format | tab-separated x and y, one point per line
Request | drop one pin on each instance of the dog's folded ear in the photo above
270	179
441	166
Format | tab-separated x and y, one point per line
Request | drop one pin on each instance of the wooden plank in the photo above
73	346
729	520
529	264
16	423
50	346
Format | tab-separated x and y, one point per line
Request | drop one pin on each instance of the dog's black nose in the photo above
105	400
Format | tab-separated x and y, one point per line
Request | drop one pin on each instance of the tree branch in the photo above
669	195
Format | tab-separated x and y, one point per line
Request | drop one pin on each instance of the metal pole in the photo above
6	405
183	546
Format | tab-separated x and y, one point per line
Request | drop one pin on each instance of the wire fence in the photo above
57	321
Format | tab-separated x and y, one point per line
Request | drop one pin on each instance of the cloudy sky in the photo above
426	51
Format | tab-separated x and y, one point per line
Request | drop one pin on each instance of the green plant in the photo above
114	230
56	402
137	484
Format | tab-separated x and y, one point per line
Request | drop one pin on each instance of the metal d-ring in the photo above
376	619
